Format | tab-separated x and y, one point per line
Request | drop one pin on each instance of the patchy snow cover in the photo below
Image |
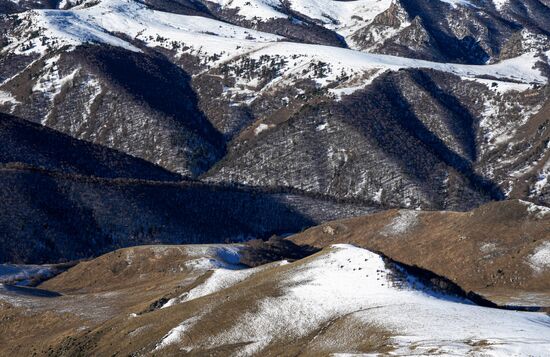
518	69
6	97
342	71
220	279
500	4
378	195
254	9
489	249
219	42
328	66
502	87
225	252
213	256
402	223
100	24
456	3
542	180
536	210
497	132
94	87
354	282
51	81
540	259
175	334
344	17
24	274
217	257
527	165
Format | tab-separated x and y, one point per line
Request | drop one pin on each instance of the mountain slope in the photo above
232	104
497	249
133	102
413	137
51	217
28	144
167	301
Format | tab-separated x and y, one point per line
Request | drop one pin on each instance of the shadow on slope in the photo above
386	118
160	84
52	217
27	143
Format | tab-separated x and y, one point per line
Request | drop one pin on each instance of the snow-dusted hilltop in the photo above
173	300
349	292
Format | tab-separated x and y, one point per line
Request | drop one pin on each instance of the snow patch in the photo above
536	210
488	248
402	223
262	127
212	256
176	334
540	259
500	4
542	180
7	98
457	3
378	195
321	127
24	274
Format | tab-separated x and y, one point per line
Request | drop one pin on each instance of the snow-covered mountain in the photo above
147	122
407	103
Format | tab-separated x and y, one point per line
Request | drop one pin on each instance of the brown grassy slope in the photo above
106	310
94	293
211	315
486	249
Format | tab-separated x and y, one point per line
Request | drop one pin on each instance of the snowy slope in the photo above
346	281
219	42
344	17
212	256
520	69
100	24
345	71
244	76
